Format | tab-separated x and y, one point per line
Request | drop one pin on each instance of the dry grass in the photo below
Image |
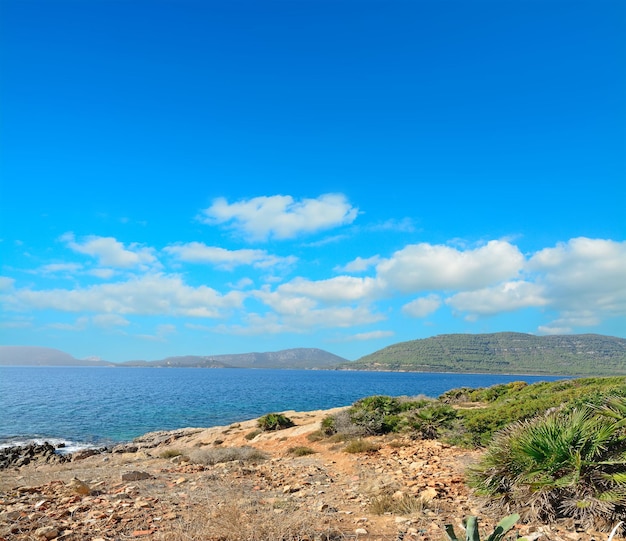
404	504
360	445
241	516
209	457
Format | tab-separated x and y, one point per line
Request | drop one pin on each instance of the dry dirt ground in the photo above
405	490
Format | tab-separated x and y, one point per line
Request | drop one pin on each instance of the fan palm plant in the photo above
569	464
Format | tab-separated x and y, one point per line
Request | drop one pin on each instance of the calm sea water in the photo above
100	406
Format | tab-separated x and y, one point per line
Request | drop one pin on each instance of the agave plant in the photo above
560	465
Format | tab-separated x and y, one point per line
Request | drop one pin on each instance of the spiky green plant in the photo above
563	464
471	529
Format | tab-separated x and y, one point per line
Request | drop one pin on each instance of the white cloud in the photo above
405	225
104	274
504	297
150	295
372	335
110	252
584	274
79	325
360	264
424	267
423	306
280	216
55	268
302	317
198	252
162	332
6	283
107	321
333	290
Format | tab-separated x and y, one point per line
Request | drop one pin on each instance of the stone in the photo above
47	532
135	476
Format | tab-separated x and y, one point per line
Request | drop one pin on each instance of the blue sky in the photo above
199	177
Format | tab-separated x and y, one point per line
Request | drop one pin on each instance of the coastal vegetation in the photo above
502	353
553	450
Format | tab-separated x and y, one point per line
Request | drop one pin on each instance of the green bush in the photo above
559	465
428	422
515	401
376	414
274	421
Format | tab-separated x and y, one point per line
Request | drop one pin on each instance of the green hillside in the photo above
505	353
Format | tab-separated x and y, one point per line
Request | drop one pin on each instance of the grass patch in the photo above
209	457
170	453
274	421
402	505
361	445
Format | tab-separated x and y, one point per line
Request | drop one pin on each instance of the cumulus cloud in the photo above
334	290
110	252
583	273
428	267
148	295
504	297
198	252
280	216
423	306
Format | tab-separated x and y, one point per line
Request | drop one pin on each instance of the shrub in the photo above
361	446
274	421
559	465
427	422
301	451
376	414
253	434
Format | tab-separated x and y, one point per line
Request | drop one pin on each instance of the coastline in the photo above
160	487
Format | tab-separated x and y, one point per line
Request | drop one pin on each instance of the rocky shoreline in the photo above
172	486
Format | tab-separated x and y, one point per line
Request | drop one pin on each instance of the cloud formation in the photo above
280	216
109	252
198	252
427	267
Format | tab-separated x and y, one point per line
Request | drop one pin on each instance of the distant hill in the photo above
287	358
40	356
308	358
505	353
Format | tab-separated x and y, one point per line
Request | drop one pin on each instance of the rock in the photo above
47	532
80	487
360	531
135	476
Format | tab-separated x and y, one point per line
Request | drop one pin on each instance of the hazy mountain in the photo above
505	353
288	358
40	356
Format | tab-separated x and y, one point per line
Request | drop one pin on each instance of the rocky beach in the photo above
238	483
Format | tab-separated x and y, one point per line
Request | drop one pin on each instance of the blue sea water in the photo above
86	406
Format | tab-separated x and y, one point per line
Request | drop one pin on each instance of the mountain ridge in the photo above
505	352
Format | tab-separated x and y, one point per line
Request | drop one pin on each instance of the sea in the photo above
81	407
